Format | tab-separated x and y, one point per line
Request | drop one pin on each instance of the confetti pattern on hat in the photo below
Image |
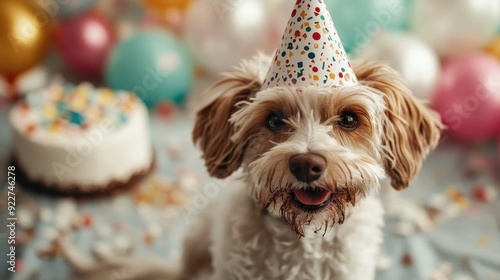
311	53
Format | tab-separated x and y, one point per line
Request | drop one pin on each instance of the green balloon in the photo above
154	65
357	21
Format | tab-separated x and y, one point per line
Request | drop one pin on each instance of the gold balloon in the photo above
493	47
164	5
24	31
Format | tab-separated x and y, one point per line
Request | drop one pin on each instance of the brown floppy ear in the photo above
213	130
411	129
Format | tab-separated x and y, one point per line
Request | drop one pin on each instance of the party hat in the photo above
311	53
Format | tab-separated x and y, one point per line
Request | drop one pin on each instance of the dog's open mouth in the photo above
311	199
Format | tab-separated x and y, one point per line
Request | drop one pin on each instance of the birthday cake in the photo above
81	140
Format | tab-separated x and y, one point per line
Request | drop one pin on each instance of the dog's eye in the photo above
348	120
275	121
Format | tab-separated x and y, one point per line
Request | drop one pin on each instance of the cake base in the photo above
75	191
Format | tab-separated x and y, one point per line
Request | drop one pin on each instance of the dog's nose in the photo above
307	167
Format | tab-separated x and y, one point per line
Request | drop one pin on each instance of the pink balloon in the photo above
468	97
85	41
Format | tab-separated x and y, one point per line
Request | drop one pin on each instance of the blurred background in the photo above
445	226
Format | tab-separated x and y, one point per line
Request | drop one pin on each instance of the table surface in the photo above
439	226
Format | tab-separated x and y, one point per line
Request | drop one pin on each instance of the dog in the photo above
311	163
307	165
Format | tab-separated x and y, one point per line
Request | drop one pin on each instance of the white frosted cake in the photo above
81	140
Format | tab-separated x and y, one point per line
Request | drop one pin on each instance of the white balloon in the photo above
414	59
456	27
219	33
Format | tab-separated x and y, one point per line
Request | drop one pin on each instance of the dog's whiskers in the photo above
348	169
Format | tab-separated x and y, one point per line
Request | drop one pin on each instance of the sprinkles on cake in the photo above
68	109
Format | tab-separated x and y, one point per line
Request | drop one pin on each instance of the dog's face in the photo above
309	154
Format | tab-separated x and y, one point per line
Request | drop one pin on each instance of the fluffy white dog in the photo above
311	160
310	163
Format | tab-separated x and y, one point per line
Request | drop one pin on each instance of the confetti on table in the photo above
438	201
64	223
483	241
384	263
403	228
432	213
449	212
457	197
26	218
174	154
161	193
104	231
443	271
189	180
165	110
102	248
407	260
49	252
46	215
155	230
117	226
480	163
50	234
122	244
67	207
86	221
175	196
484	194
29	234
148	239
473	210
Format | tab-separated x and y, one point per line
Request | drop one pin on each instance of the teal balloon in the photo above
154	65
68	8
358	21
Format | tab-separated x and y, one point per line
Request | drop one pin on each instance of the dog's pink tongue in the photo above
312	198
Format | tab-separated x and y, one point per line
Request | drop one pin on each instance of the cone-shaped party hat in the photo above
311	53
